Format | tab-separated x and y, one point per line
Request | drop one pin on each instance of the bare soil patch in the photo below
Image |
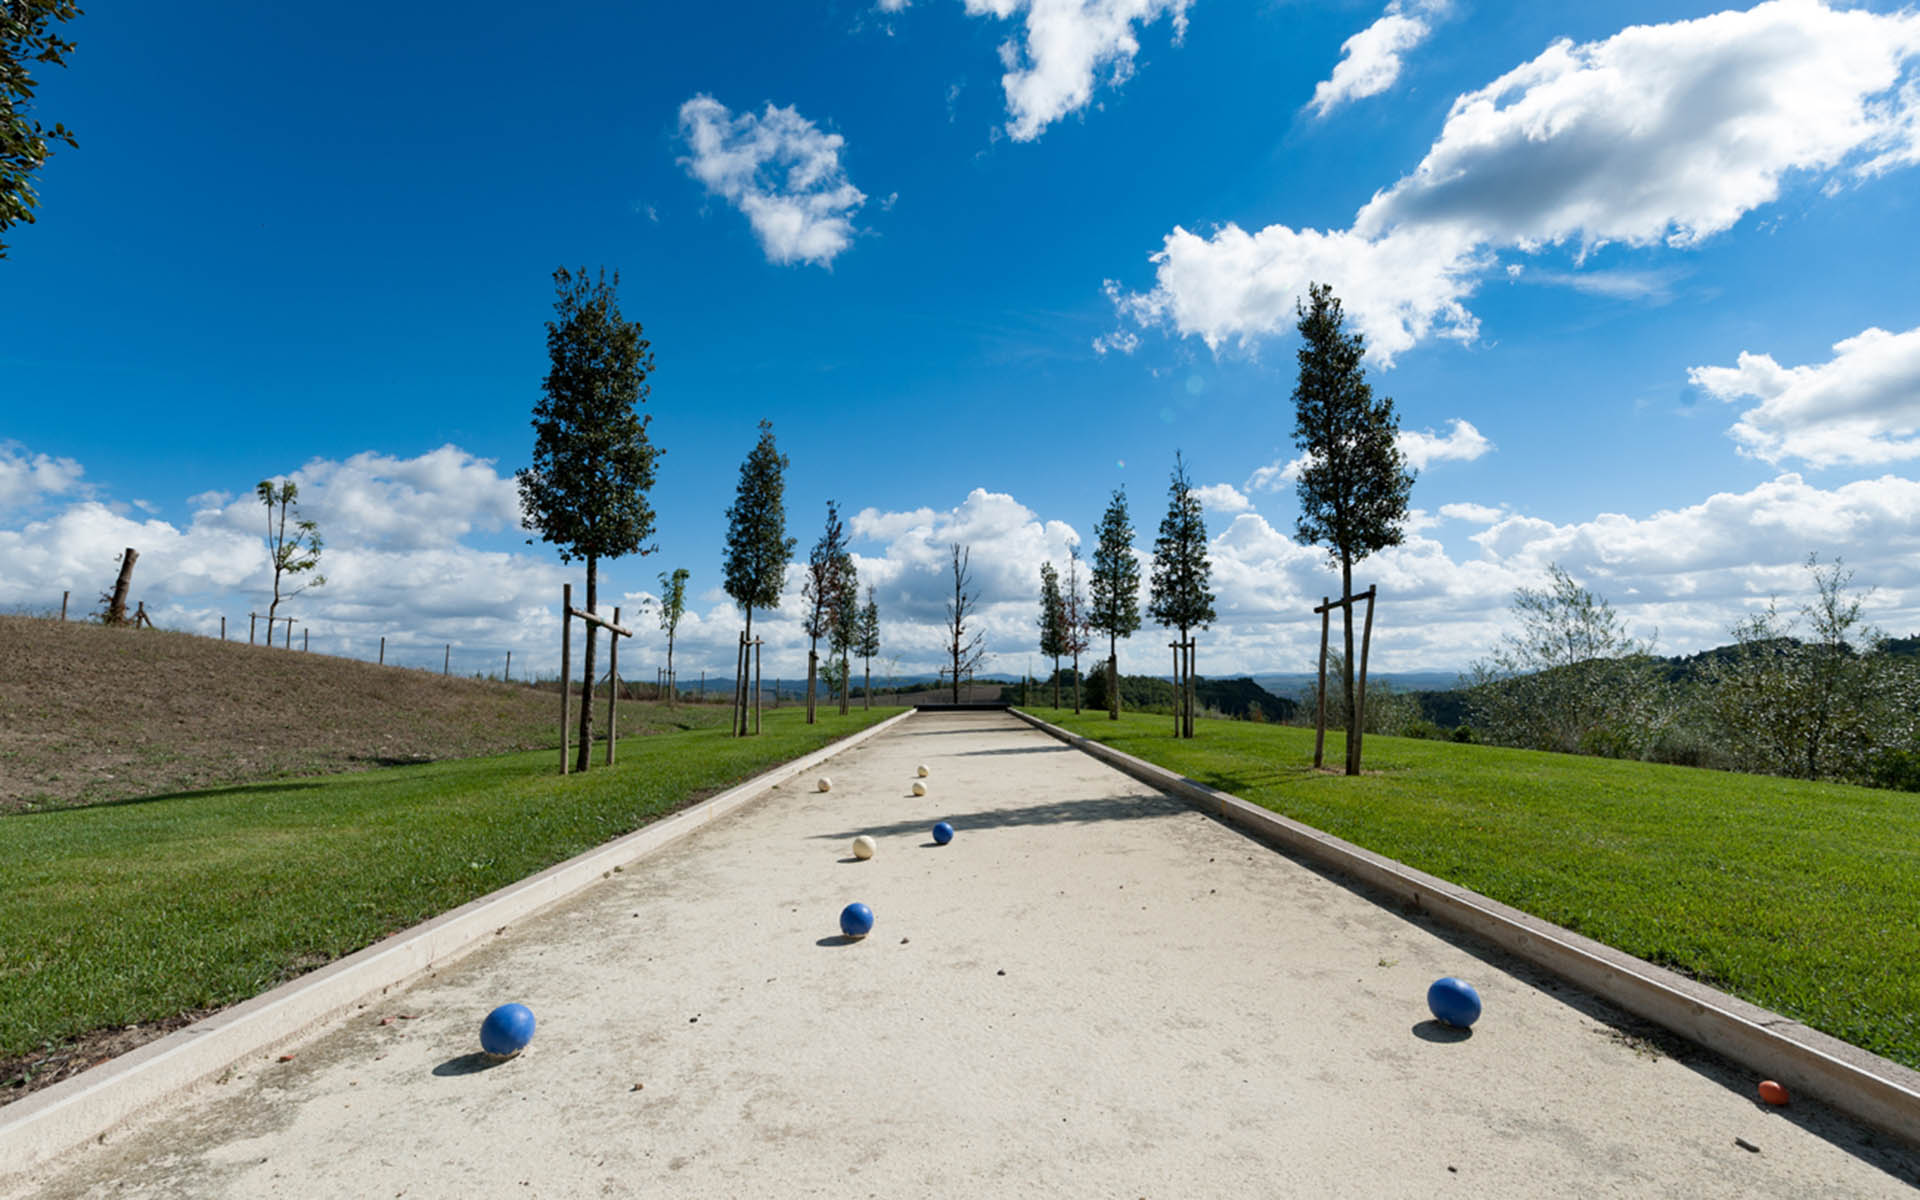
91	714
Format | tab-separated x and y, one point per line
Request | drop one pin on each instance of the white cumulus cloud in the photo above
1370	60
1461	443
1222	498
27	478
1660	134
1478	514
1860	407
780	170
1067	44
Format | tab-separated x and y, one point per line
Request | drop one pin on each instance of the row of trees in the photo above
593	465
1180	595
1814	693
1354	489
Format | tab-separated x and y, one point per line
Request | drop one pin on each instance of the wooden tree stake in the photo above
566	666
613	683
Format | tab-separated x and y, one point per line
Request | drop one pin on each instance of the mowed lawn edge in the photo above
1801	897
141	910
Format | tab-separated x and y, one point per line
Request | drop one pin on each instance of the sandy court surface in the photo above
1093	991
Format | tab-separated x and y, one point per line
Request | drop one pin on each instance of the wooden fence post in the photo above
507	677
63	604
289	643
253	620
566	666
446	661
223	627
306	638
383	649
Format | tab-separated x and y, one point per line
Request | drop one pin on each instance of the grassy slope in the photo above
136	911
1801	897
89	713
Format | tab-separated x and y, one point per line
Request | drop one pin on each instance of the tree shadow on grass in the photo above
1056	748
1066	812
297	785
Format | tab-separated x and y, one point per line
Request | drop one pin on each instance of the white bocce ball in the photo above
825	784
919	789
922	771
863	846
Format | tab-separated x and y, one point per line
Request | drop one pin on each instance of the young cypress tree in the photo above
843	621
868	643
1181	598
822	593
1355	488
586	491
758	548
1116	589
673	606
1053	623
1073	619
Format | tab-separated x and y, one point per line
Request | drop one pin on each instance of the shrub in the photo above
1898	770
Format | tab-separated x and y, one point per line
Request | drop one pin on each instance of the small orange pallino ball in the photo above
1772	1092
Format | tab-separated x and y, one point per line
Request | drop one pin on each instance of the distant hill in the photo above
1399	681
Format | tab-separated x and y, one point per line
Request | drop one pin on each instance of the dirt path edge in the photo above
1863	1085
92	1104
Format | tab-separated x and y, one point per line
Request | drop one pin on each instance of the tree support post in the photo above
756	684
1177	692
1360	690
613	682
1320	719
1357	709
567	613
566	666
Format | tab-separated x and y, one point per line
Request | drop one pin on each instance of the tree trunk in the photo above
1193	697
1056	682
740	683
117	607
1346	666
866	692
1076	683
586	691
669	668
846	683
813	660
1113	678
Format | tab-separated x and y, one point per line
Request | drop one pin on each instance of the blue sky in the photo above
1634	274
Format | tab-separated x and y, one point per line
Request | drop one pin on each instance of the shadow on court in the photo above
1066	812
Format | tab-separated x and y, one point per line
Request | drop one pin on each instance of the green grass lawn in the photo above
1801	897
139	910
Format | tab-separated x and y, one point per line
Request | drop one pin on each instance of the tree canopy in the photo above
758	548
1115	610
1181	596
26	37
1355	485
586	491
